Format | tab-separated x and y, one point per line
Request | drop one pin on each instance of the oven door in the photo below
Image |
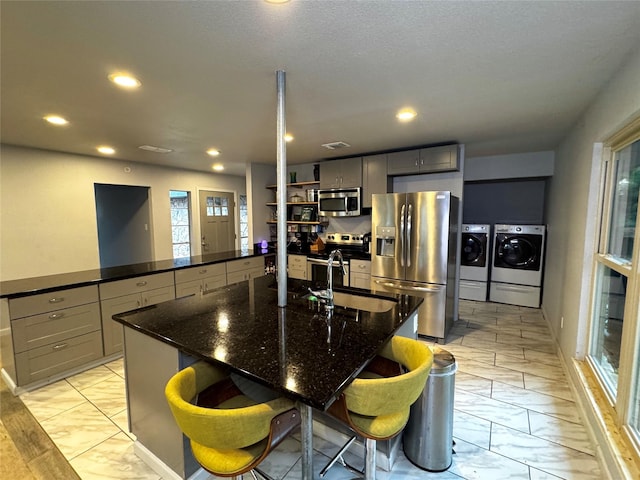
317	272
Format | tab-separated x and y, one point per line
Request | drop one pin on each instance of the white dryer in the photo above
516	269
474	262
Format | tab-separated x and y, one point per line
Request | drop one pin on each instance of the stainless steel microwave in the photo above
339	202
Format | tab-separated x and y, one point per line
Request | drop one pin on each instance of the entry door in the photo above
217	225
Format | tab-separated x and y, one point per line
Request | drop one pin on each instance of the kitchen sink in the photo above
360	302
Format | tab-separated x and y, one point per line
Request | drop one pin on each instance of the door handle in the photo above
402	235
409	216
410	288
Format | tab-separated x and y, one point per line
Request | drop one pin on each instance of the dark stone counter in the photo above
32	286
296	350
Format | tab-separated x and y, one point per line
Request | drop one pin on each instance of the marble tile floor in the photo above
514	415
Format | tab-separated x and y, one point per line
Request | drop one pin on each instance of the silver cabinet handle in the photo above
141	284
138	303
203	271
60	346
411	288
55	316
56	300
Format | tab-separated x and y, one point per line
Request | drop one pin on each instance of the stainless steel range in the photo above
352	245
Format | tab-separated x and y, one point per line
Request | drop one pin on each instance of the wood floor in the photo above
26	451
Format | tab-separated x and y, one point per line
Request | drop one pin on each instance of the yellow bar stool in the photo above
377	403
230	433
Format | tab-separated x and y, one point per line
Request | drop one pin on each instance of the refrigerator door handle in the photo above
411	288
402	235
409	215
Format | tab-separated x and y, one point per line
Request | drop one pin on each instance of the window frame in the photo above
629	368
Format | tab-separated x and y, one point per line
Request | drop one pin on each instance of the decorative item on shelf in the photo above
292	177
311	195
297	198
307	214
316	172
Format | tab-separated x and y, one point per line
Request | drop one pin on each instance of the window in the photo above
217	207
244	223
180	227
614	350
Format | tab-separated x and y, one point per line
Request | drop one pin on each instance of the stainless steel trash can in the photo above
428	436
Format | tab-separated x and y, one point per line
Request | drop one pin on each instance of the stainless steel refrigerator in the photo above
414	251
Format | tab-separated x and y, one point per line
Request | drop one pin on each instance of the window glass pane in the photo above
625	202
607	334
180	235
225	212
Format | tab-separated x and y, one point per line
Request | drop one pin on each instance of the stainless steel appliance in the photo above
414	251
317	272
518	257
474	262
339	202
352	245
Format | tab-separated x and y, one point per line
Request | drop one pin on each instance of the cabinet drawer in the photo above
360	266
40	363
48	302
54	327
297	261
235	277
197	273
137	284
245	264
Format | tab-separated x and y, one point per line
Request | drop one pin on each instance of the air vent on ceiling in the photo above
151	148
335	145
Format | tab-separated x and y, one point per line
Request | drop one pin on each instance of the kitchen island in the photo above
297	351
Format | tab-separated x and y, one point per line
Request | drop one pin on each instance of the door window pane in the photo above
611	294
180	226
625	202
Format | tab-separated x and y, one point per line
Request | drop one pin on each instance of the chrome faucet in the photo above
343	271
327	295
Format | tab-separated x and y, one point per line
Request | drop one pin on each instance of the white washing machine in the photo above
516	268
474	262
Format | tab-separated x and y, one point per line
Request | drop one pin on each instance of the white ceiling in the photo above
501	77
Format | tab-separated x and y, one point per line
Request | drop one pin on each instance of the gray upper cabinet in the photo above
345	173
374	177
403	163
425	160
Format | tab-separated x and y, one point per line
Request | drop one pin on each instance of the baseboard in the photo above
161	468
616	462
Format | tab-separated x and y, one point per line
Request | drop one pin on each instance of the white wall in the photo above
573	208
47	207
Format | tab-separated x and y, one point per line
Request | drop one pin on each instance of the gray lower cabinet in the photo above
195	280
424	160
124	295
245	269
53	333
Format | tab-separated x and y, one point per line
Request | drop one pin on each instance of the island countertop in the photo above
296	350
44	284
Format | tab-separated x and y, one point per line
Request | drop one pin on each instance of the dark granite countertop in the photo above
32	286
294	350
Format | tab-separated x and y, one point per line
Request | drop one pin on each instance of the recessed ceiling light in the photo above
214	152
406	114
288	137
152	148
125	80
106	150
218	167
277	2
56	120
